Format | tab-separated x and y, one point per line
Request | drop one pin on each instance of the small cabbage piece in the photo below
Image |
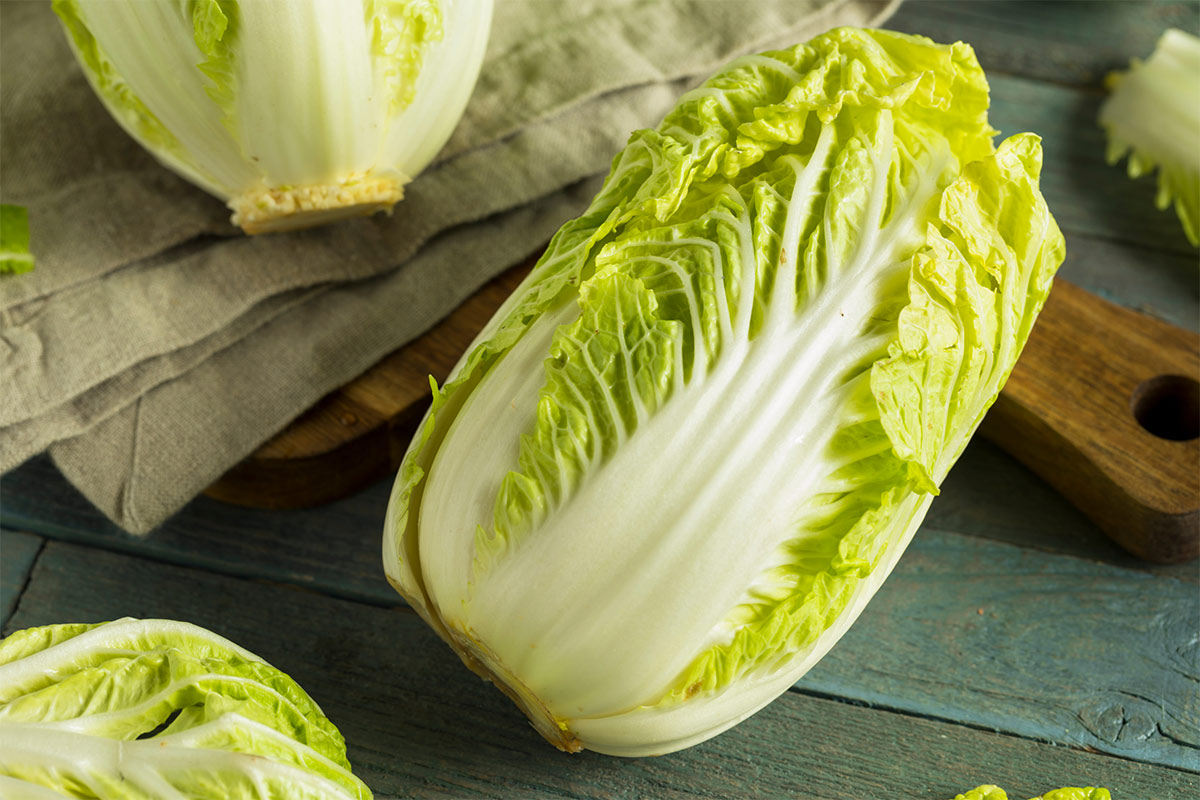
1153	115
159	709
679	460
294	113
15	257
985	792
990	792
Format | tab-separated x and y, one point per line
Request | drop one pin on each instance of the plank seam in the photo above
986	729
28	577
133	549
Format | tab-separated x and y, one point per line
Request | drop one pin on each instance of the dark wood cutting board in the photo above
1104	405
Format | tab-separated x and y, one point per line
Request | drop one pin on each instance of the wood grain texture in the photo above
989	494
358	434
334	549
1065	413
1068	412
1154	282
1013	640
17	554
419	725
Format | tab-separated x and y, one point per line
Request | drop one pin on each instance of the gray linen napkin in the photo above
154	347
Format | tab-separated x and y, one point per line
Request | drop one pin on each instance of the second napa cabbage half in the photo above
678	462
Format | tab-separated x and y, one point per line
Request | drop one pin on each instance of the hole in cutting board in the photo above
1168	406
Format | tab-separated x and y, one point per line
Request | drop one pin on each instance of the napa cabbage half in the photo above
138	709
679	460
294	113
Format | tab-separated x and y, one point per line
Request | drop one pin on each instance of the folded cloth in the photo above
154	347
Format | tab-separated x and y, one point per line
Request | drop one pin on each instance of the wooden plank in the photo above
1074	42
334	549
17	554
418	724
358	433
1059	640
989	495
1010	639
1154	282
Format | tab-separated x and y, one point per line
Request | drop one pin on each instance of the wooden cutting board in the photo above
1104	405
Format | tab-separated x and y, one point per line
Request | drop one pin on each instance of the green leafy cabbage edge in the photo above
109	84
1153	117
15	256
161	683
990	792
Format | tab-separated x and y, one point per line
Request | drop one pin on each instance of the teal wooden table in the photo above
1013	644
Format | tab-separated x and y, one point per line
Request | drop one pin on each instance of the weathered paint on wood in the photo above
988	494
418	724
334	549
1053	648
1061	650
1154	282
17	553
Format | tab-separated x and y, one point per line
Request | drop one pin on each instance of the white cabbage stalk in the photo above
135	709
1153	115
295	113
677	463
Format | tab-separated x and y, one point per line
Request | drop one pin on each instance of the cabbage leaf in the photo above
15	256
989	792
159	709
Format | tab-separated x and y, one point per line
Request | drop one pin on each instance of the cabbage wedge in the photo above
159	710
294	113
677	463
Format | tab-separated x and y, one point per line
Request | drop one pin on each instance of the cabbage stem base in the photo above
288	208
486	665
